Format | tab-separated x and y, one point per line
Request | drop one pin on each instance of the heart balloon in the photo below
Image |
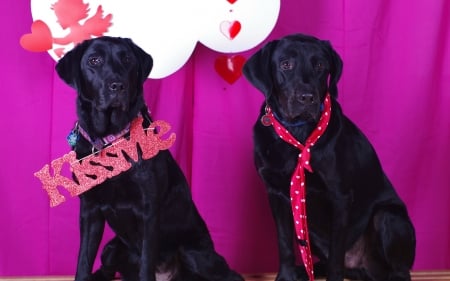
225	26
229	67
40	38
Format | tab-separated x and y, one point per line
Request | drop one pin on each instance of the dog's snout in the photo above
306	98
116	86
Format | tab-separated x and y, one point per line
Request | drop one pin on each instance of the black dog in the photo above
358	226
149	207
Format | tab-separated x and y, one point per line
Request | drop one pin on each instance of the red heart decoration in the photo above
40	38
230	29
231	1
229	67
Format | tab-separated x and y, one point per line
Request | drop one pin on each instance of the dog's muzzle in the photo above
302	107
115	96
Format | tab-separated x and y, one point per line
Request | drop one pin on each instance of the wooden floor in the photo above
416	276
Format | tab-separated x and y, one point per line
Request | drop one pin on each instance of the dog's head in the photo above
108	74
295	73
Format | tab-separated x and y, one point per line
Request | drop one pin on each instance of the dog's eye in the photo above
126	59
319	67
286	65
95	61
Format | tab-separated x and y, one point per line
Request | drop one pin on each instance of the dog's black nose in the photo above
116	86
307	98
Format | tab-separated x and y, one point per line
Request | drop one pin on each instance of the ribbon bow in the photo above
297	189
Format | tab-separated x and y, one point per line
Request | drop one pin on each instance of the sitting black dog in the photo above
358	226
159	232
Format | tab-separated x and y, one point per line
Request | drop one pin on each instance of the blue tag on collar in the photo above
72	138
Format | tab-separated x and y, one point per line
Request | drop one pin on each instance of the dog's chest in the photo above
121	189
277	160
120	202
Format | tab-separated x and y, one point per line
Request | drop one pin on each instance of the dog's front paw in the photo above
335	277
291	274
234	276
99	275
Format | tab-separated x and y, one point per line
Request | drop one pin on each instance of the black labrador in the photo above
359	228
159	232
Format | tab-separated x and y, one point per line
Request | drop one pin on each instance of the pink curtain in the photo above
395	86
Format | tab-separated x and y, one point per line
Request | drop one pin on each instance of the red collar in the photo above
298	187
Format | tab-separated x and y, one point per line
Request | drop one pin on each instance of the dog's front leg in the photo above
341	205
282	213
149	246
92	225
150	238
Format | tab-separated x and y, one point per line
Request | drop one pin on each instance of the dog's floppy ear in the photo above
258	69
335	69
145	60
68	67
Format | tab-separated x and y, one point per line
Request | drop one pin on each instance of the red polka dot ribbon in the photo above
297	189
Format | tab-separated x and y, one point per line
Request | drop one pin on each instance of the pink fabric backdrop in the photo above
395	86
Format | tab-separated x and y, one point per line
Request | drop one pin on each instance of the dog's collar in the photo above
285	123
98	143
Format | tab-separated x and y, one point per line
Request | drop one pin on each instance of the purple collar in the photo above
98	143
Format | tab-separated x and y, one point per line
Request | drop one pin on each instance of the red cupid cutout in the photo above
231	1
230	29
229	68
40	38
